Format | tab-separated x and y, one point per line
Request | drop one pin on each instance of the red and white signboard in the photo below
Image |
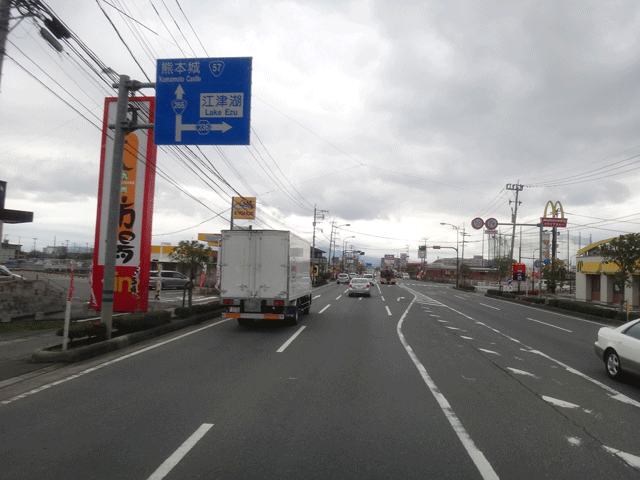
554	222
133	250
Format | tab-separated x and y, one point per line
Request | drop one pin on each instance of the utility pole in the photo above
518	188
31	8
317	214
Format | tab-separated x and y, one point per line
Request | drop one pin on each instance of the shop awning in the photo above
591	267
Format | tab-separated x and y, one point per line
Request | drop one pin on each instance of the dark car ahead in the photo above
169	279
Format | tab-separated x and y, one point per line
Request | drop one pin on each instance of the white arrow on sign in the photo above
202	127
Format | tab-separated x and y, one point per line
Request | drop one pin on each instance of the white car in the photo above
619	348
369	277
359	286
7	276
342	278
406	276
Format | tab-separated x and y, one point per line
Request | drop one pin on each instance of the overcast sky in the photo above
390	116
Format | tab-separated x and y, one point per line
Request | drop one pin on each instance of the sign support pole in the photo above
109	276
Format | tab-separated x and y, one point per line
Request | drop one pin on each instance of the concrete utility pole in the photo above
317	214
31	8
5	14
121	127
518	188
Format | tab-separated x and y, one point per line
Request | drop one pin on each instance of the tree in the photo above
623	251
465	272
503	267
554	273
194	255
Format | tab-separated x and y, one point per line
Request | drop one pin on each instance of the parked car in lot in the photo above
406	276
359	286
168	279
7	276
619	348
342	278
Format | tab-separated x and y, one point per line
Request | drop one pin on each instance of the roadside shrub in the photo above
85	329
468	288
186	312
137	322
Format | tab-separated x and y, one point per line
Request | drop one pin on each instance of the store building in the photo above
594	279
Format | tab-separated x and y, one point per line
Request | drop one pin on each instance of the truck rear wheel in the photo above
296	316
307	309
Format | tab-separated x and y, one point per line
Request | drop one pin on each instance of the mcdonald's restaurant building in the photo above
594	281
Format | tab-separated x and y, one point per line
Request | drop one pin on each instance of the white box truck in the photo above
264	275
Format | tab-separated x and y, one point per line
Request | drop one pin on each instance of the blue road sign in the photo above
203	101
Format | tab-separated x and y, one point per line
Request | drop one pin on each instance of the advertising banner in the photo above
133	250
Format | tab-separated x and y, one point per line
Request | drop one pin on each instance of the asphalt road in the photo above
418	381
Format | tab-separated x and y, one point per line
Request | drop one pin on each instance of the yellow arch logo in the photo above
554	209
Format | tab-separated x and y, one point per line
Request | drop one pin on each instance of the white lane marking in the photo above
110	362
522	372
466	338
179	454
338	297
388	311
461	298
559	403
317	296
632	460
488	351
452	328
291	339
614	394
489	306
400	298
324	308
478	458
382	298
549	325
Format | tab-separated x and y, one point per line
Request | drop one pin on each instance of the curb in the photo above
90	351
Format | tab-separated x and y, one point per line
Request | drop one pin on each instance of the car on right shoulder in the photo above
619	349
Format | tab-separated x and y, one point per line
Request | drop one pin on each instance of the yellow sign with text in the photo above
244	208
212	239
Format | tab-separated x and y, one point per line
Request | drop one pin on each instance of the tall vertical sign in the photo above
133	251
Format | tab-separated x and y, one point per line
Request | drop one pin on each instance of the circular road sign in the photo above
491	223
477	223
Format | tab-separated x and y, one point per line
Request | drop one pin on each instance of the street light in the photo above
456	249
343	247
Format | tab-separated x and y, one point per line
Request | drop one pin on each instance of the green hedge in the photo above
186	312
85	329
136	322
469	288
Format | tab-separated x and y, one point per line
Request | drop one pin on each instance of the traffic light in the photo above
361	253
315	270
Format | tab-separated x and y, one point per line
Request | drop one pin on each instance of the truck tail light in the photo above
227	301
278	303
